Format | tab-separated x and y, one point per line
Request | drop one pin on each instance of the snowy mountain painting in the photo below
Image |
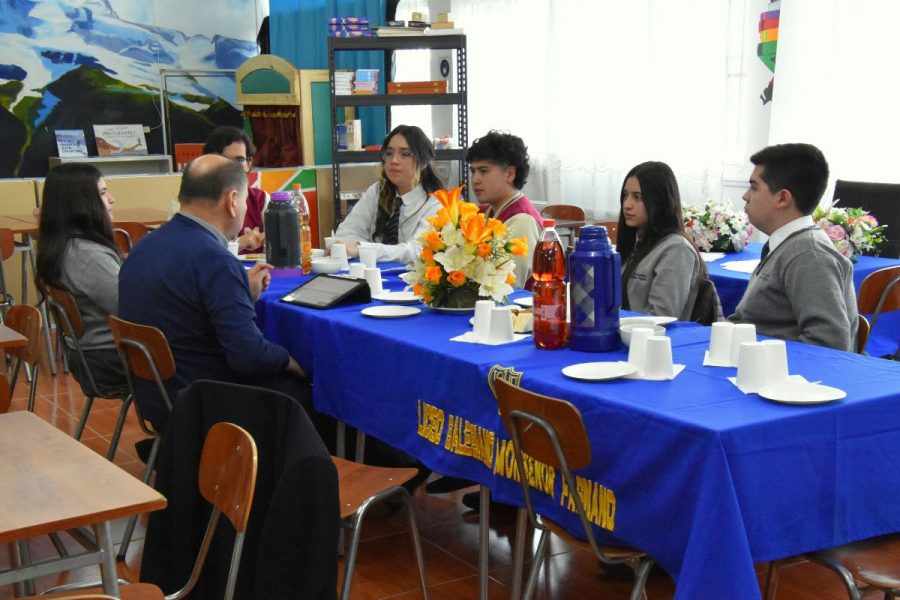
70	64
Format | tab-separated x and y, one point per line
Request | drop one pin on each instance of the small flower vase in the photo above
461	297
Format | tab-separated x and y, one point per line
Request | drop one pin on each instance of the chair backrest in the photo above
4	394
227	480
882	200
26	320
563	211
612	229
879	292
128	233
145	352
7	244
65	311
862	335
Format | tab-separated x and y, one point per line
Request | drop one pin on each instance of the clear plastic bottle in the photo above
305	232
549	271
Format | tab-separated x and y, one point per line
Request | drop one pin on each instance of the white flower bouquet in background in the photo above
716	226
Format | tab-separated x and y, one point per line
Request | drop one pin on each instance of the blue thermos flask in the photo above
595	274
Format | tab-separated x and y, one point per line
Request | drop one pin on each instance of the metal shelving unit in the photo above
458	98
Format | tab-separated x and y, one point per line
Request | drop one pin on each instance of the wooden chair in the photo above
879	292
568	212
862	334
26	320
7	249
145	353
612	229
127	234
70	326
227	481
552	431
362	486
4	394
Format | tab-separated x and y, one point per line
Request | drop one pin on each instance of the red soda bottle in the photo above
549	271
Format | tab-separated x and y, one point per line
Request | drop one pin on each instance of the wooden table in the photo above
51	482
9	338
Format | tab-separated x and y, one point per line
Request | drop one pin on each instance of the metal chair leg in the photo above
82	421
417	543
519	553
641	573
845	575
536	563
132	521
772	580
117	432
32	387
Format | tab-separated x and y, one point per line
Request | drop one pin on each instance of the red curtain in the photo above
276	134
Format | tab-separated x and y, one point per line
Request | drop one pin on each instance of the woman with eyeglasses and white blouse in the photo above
394	211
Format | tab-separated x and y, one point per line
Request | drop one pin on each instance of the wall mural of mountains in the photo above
68	64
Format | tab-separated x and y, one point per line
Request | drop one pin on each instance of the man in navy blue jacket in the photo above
183	280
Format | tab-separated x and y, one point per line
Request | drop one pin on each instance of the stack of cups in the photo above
657	358
720	343
373	278
637	349
340	251
740	333
761	364
368	255
358	270
492	324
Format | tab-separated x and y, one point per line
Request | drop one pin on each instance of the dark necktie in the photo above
391	232
765	252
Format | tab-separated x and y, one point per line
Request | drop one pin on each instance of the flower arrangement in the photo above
717	226
464	257
851	230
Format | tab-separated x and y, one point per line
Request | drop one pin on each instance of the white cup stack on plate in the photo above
501	330
637	346
658	358
358	270
373	278
752	371
720	343
340	251
481	327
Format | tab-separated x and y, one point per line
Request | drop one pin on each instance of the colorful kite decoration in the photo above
768	43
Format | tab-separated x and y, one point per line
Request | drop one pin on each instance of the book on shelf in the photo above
418	24
349	27
348	20
443	25
70	143
417	87
120	140
443	32
351	34
399	31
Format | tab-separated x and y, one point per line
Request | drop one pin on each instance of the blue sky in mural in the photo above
133	39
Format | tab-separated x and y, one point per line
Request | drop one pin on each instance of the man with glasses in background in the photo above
235	144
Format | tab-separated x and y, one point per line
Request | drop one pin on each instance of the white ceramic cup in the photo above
776	361
752	366
328	242
318	252
657	357
482	326
637	349
368	255
720	342
358	270
740	333
233	247
501	325
340	251
373	278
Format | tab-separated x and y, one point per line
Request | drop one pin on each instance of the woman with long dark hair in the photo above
661	268
76	253
394	210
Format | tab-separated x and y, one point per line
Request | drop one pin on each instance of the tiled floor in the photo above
386	566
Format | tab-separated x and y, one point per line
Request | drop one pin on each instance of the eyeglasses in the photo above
387	155
242	160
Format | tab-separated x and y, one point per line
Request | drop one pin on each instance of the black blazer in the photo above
290	550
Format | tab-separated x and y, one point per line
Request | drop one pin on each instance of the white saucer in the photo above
647	318
599	371
396	297
801	392
526	301
390	312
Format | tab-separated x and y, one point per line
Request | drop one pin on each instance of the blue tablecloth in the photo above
731	285
705	479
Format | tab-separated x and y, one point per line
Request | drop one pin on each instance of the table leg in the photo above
51	357
20	556
484	521
107	560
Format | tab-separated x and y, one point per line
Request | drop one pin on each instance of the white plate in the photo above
390	312
396	297
646	318
801	392
599	371
526	301
451	311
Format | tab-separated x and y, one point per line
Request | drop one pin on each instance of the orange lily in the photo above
474	230
433	274
433	239
484	250
449	199
497	226
518	246
427	256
